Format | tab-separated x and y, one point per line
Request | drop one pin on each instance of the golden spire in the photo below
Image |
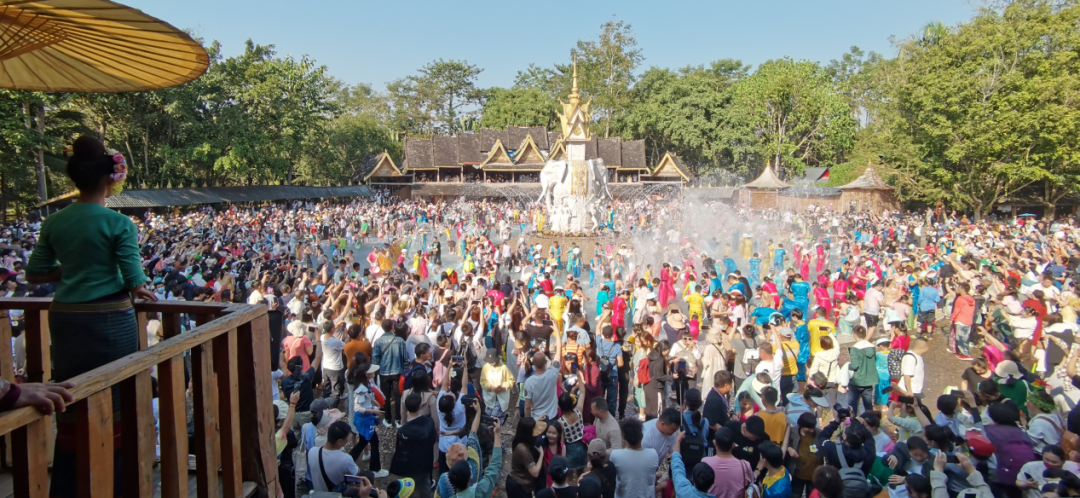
575	95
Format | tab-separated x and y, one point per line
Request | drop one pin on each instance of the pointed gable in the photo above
497	157
868	180
670	166
557	152
529	154
383	167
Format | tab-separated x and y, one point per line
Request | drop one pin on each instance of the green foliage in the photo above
690	112
606	70
518	107
797	114
431	100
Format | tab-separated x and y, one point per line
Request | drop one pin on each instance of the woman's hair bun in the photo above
86	147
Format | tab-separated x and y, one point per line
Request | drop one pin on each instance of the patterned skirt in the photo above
86	336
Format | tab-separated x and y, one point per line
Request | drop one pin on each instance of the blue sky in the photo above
375	42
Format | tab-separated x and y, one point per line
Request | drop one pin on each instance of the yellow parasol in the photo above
92	46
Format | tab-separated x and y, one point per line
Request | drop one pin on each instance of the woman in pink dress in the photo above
820	249
770	288
424	266
804	267
822	298
667	287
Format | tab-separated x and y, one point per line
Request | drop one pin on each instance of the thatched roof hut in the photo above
869	192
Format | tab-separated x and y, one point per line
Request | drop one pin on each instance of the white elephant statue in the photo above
556	187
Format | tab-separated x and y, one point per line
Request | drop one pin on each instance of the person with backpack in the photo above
693	484
413	456
644	343
656	375
853	456
1012	447
746	354
693	431
864	374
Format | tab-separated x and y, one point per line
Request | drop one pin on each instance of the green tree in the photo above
518	107
690	112
432	100
797	114
606	70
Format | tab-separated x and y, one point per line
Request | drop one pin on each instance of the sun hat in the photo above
676	320
542	301
372	369
1008	370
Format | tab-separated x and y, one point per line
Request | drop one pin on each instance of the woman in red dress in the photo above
667	286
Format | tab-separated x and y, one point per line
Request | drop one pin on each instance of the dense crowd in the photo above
777	354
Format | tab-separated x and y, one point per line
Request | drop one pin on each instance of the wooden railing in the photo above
230	378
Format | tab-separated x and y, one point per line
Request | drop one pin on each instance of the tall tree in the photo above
606	69
432	100
690	112
797	114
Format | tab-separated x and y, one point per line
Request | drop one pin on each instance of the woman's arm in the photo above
286	424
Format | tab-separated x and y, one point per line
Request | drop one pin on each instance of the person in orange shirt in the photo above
357	343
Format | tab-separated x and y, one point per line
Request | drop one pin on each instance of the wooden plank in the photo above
188	307
172	413
144	343
31	455
112	373
259	456
207	445
37	348
139	433
229	413
26	303
170	325
94	446
7	355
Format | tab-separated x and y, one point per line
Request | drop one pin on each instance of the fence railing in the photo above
230	381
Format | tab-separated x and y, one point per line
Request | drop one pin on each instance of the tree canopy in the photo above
969	115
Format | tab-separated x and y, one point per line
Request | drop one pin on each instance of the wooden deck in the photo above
230	388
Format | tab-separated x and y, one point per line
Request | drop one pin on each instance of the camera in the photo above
842	411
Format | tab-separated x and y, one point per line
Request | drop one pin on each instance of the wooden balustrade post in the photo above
207	446
172	410
31	454
7	372
259	456
38	358
228	390
94	446
139	435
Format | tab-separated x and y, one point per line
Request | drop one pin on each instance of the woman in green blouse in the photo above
92	254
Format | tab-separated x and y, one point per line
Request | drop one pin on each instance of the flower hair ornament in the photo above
119	168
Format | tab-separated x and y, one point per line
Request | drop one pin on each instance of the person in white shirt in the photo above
333	364
330	460
375	330
913	368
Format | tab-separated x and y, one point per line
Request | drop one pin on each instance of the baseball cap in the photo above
401	488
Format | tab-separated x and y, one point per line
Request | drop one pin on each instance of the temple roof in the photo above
446	151
670	166
610	150
418	155
869	180
633	155
380	164
767	180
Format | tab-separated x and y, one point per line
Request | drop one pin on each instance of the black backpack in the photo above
695	444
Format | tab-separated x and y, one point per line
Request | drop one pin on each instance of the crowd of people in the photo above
694	350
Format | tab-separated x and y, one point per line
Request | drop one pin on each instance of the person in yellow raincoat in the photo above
746	247
558	304
416	263
468	264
